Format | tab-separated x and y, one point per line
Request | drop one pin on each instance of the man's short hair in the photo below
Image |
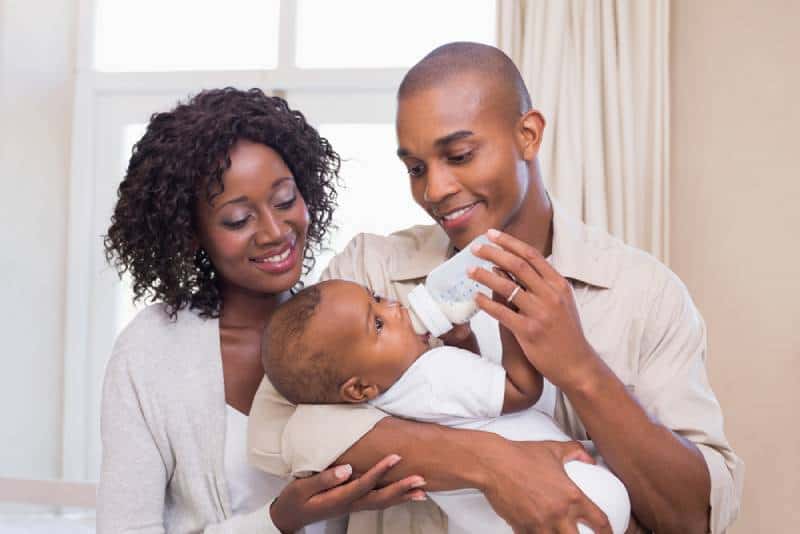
299	369
452	59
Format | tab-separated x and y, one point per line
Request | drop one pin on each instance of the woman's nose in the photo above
268	231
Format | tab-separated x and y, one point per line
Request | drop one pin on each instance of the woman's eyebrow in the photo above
236	200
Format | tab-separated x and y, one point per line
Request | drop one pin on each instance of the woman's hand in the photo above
545	499
542	314
327	495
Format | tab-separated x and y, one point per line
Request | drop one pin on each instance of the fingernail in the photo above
475	248
418	483
422	497
393	459
493	233
471	271
343	471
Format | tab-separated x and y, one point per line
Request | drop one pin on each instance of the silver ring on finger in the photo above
513	294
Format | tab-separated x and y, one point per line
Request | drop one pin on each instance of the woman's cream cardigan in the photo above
163	430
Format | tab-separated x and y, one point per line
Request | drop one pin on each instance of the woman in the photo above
222	203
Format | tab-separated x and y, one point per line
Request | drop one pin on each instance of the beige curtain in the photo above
599	72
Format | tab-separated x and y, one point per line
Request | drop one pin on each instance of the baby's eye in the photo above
378	324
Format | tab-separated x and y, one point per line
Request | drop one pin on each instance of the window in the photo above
338	62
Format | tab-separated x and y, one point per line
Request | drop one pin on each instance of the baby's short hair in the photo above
301	371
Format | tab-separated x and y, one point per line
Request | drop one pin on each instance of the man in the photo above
614	330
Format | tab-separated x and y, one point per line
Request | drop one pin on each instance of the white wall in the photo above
736	229
37	63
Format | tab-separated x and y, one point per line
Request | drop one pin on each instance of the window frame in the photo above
84	357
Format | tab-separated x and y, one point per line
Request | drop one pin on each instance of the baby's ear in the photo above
355	390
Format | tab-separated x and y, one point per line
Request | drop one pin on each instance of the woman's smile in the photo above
280	259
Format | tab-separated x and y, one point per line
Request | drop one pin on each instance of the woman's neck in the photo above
246	309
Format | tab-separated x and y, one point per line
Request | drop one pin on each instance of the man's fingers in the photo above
517	266
525	251
573	450
504	315
595	518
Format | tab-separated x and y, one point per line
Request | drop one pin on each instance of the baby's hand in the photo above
461	336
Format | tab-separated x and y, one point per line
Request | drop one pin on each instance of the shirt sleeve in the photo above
256	522
130	454
673	388
448	386
284	439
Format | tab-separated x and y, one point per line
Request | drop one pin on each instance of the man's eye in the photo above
376	298
417	170
378	324
460	158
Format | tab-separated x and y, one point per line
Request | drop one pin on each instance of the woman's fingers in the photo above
340	498
325	480
404	490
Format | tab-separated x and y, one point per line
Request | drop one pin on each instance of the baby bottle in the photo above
447	297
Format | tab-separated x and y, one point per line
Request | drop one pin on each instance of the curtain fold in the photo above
598	70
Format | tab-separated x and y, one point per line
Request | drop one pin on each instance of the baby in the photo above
336	342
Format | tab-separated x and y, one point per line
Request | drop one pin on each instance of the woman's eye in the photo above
235	224
378	324
460	158
288	204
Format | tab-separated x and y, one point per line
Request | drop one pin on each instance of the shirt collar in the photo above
578	250
576	254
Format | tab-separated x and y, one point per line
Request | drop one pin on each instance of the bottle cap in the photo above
428	312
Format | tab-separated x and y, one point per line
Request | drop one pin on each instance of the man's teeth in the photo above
458	213
277	258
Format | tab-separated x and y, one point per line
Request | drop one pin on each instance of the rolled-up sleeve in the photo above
673	388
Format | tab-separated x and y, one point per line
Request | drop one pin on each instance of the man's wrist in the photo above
588	380
481	474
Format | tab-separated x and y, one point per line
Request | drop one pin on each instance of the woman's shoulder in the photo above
154	336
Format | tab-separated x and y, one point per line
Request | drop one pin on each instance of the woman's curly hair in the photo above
183	154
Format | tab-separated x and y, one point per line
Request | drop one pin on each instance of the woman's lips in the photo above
280	262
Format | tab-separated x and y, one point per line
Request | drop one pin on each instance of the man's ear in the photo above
356	390
530	130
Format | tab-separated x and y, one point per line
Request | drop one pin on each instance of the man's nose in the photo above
269	229
440	184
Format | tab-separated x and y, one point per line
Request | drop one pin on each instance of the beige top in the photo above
635	312
164	432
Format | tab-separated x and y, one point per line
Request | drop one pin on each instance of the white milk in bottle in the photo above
447	297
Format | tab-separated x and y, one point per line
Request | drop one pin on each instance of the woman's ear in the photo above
530	129
355	390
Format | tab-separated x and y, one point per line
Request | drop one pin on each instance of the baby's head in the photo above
337	342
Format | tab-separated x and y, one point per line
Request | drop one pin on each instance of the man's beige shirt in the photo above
635	312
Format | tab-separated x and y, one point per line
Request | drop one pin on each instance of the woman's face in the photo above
255	231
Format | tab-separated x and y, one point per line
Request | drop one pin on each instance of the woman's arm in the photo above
133	475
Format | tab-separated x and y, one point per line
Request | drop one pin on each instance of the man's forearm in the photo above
446	458
665	474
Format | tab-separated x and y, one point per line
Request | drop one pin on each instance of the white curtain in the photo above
598	70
